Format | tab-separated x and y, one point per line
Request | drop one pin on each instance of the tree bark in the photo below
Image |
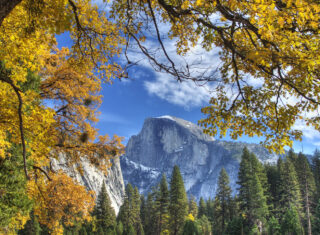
308	211
6	6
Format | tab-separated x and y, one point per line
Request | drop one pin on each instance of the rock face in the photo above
93	178
167	141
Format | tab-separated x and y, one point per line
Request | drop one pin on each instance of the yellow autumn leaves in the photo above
59	91
270	62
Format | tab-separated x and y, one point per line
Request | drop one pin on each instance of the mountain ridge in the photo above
167	141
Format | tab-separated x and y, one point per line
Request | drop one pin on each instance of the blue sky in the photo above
146	93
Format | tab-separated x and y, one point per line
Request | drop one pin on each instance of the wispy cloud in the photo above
112	118
308	131
186	94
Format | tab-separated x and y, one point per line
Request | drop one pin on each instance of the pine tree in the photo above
135	206
216	223
125	215
253	202
274	227
210	209
193	207
274	181
105	215
143	211
190	227
289	187
162	199
148	218
204	225
202	208
316	171
235	226
178	202
119	229
129	213
14	201
316	220
224	199
290	224
260	171
307	188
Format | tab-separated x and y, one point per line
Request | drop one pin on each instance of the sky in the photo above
146	93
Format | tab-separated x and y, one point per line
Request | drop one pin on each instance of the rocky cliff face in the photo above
167	141
93	178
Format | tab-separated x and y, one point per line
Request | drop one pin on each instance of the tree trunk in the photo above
308	211
6	6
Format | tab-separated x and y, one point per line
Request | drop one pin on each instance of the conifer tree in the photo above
135	205
235	226
216	222
14	201
202	208
147	215
193	207
178	202
289	187
260	171
119	229
105	215
190	227
290	224
129	213
210	209
274	226
253	202
224	199
316	220
307	188
162	199
125	215
204	225
316	171
273	176
143	211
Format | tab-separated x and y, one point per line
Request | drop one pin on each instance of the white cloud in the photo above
308	131
112	118
186	94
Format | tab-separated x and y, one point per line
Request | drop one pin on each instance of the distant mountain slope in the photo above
167	141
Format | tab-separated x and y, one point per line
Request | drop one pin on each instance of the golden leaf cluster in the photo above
57	94
269	51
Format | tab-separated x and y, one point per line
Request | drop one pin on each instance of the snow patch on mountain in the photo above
167	141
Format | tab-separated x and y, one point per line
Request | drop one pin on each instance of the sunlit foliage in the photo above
268	78
49	100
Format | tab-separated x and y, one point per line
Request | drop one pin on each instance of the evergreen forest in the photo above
271	199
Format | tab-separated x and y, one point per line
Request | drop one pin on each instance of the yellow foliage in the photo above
270	58
58	109
61	200
190	217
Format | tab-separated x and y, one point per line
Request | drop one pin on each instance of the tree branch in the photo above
6	6
43	171
7	80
